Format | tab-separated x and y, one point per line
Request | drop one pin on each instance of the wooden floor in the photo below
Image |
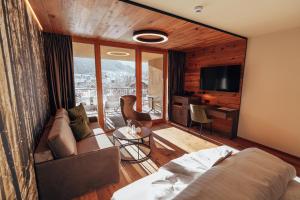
240	144
171	141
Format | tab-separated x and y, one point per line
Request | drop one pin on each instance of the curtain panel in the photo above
60	70
176	67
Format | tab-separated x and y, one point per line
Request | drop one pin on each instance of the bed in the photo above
214	174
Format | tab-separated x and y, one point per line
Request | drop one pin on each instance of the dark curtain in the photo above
176	66
60	70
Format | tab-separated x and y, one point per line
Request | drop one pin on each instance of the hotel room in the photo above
150	99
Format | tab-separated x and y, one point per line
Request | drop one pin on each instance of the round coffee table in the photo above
136	145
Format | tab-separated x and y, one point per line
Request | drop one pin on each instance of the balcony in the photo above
111	103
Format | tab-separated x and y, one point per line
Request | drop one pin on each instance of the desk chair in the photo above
198	115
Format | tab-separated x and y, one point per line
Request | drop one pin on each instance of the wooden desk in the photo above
225	113
226	117
180	109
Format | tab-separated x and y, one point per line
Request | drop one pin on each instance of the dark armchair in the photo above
128	113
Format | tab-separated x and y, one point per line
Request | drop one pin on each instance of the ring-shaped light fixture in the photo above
160	37
117	53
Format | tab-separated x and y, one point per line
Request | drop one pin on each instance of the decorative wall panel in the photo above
225	54
24	103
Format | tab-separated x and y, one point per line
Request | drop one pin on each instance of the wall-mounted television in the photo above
221	78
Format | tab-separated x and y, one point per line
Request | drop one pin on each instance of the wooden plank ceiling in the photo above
115	21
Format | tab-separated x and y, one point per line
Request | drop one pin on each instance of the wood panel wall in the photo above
227	53
24	102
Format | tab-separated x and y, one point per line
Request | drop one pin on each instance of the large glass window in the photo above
85	77
118	79
152	84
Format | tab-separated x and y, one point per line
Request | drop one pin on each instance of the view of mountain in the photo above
87	66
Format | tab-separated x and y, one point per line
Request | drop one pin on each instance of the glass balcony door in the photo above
118	72
104	73
153	84
85	77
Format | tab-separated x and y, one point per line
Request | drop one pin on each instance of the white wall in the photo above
270	109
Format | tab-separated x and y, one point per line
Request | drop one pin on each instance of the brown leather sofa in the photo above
66	168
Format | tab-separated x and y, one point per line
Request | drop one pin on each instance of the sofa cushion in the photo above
78	112
61	140
62	113
42	152
93	143
80	129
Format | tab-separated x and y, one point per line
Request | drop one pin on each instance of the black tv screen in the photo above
221	78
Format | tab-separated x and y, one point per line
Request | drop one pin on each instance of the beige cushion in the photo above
93	143
62	113
61	140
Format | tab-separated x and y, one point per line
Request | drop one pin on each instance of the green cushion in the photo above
80	129
78	112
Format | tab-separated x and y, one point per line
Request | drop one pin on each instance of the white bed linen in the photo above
293	191
173	177
249	175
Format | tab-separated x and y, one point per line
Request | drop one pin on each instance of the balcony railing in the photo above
115	91
118	91
111	103
89	95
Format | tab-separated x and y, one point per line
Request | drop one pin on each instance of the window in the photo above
118	79
85	77
118	71
152	84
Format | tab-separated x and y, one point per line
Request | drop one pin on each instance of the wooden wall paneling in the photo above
85	40
138	74
105	20
24	99
178	17
117	44
99	85
227	53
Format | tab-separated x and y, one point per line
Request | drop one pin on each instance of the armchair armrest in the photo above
143	116
72	176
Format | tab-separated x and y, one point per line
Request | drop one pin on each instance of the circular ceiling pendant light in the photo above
117	53
150	36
